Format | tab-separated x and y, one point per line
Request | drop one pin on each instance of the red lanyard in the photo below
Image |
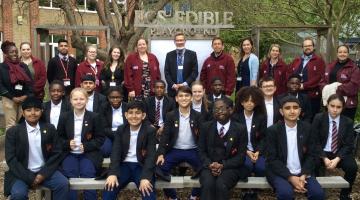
67	67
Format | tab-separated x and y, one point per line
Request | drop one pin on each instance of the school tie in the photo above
222	132
334	135
157	113
179	62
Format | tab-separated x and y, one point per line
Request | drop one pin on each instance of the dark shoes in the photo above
160	174
250	195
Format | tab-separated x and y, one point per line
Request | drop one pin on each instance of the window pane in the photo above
58	37
92	40
45	3
80	4
43	37
91	5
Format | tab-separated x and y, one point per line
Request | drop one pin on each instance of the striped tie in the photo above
334	135
157	113
222	132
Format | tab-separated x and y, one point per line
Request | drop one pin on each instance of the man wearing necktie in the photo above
181	66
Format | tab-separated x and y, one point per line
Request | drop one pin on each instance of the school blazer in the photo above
306	113
65	107
206	116
92	136
145	149
257	132
276	105
99	100
106	114
235	147
320	129
171	129
17	154
277	150
150	102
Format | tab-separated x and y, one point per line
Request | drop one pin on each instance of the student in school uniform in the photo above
267	85
57	105
200	103
134	154
222	148
82	136
95	99
112	115
179	140
335	141
293	88
158	106
217	90
32	154
291	155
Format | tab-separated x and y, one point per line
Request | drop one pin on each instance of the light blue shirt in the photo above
185	138
329	140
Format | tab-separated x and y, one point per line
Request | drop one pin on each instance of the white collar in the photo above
32	129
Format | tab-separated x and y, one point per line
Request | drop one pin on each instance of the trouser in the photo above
12	112
258	167
106	148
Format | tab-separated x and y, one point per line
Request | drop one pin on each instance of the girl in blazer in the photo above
200	102
82	138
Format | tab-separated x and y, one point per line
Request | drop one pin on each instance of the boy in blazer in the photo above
133	157
267	85
222	147
217	90
178	142
291	155
32	154
95	99
335	141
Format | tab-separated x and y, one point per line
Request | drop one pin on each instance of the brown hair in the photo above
217	38
271	47
23	43
204	100
242	53
343	45
178	34
109	58
256	95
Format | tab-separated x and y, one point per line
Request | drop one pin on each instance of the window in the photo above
49	3
89	39
53	44
86	5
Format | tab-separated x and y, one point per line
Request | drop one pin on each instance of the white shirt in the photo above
90	103
248	121
131	155
196	107
117	118
66	57
78	124
185	138
226	127
329	140
217	97
269	112
55	113
36	158
292	161
161	119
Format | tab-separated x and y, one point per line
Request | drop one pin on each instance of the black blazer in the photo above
150	103
277	150
211	97
190	70
206	116
171	129
65	107
320	129
17	154
106	114
91	135
99	100
277	116
258	130
145	149
306	113
235	148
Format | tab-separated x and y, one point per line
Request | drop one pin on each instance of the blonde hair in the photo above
271	47
80	90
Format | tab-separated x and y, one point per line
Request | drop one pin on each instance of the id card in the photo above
180	67
238	78
112	84
67	82
18	87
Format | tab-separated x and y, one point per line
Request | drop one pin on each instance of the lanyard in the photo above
95	71
65	69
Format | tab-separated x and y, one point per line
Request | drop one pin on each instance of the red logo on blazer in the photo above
49	147
88	136
233	151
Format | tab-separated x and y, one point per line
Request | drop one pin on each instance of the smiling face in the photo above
308	47
183	99
180	41
56	92
32	115
115	99
135	116
78	100
268	88
342	53
115	54
198	92
221	112
218	46
246	46
12	54
274	53
290	111
141	46
91	53
25	50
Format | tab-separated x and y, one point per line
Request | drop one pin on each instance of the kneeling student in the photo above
291	155
222	148
32	154
133	155
335	141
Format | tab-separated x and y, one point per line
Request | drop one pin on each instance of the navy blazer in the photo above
65	107
17	154
320	129
145	149
91	135
150	103
99	100
106	114
171	129
190	70
306	112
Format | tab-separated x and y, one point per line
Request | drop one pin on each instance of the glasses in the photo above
91	51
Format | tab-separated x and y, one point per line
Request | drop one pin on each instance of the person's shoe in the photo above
160	174
254	196
247	196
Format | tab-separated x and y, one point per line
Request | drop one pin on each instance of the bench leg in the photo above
38	194
47	195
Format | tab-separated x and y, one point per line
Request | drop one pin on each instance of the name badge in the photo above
112	84
18	87
238	78
180	67
67	82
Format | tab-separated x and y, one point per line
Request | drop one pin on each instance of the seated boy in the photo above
95	100
222	148
267	85
133	155
32	154
291	154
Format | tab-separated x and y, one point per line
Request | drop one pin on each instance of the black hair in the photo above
184	89
57	82
62	40
336	96
266	79
228	102
287	99
135	105
114	89
294	76
256	95
5	46
159	81
216	78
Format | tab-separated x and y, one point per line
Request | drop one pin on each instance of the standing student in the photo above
200	102
267	85
113	115
32	152
291	155
133	157
82	136
222	149
179	140
335	141
217	90
58	104
95	99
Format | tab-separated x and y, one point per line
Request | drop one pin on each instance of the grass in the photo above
2	131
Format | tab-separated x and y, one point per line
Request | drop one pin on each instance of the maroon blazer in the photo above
349	76
85	68
280	70
134	69
39	77
315	70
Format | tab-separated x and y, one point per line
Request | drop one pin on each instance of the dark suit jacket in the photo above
168	105
211	97
258	130
171	129
99	100
106	114
17	154
145	149
65	107
206	116
306	113
320	129
277	150
277	116
92	136
235	147
190	70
